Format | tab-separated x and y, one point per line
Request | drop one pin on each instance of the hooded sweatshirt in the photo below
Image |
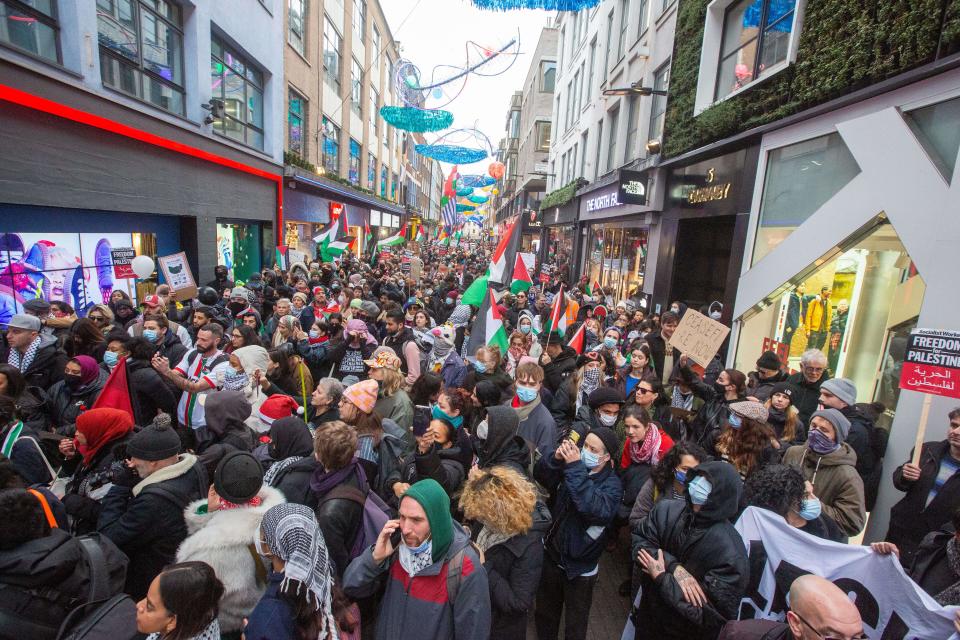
835	481
502	446
226	414
253	359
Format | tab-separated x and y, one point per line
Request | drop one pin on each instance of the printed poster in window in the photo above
176	271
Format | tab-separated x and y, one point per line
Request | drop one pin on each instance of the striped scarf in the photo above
22	363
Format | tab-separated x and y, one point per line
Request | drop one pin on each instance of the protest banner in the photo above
931	366
176	271
699	337
892	606
122	259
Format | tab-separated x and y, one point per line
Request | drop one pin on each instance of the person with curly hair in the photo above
781	489
746	442
512	523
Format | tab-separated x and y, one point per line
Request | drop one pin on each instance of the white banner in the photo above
892	606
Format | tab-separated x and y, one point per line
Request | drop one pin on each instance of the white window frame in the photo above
710	54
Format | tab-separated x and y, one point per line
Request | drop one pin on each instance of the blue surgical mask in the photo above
681	476
314	334
735	421
480	367
110	358
448	300
150	335
610	343
809	509
526	394
525	328
589	459
699	490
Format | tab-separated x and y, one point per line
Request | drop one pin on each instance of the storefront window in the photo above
238	249
938	129
800	178
857	306
559	256
617	260
383	181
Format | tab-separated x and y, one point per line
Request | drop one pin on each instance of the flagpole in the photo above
559	297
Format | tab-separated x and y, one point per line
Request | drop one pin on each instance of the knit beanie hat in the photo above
768	360
843	388
238	477
154	443
363	395
839	421
436	503
605	395
278	406
783	388
609	439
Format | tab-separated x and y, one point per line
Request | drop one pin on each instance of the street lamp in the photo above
635	89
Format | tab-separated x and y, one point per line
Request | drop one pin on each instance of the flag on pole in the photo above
281	258
395	240
487	330
331	245
521	277
592	290
476	292
504	255
558	313
449	212
578	341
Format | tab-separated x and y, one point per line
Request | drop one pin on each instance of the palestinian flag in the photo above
504	255
476	293
487	329
420	235
283	262
395	240
368	243
558	314
592	290
331	245
521	277
579	339
456	238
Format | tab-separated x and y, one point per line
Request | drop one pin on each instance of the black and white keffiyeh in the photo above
294	536
22	363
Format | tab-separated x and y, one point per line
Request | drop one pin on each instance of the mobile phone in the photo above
421	420
395	538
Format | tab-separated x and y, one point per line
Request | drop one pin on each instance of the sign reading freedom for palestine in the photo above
932	363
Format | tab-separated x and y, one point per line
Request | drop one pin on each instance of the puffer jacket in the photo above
418	607
707	545
835	481
224	540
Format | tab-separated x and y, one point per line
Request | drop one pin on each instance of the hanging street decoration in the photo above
547	5
476	181
415	119
453	154
496	170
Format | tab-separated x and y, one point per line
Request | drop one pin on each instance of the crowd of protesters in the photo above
316	453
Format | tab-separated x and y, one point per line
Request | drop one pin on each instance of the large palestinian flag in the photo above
558	314
521	277
487	329
503	257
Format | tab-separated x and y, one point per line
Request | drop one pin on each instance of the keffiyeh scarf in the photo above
22	363
415	561
210	632
460	316
649	450
294	536
277	467
589	384
680	401
951	595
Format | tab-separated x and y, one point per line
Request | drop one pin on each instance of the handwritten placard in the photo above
177	273
699	337
932	363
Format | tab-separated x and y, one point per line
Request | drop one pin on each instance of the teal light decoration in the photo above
547	5
465	192
479	199
476	181
419	120
452	154
465	207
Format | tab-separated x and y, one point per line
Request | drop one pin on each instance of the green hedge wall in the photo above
845	45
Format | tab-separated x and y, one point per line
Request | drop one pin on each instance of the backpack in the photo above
375	514
455	572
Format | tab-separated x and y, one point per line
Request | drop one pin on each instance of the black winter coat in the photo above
340	519
149	527
34	408
294	482
47	366
88	479
912	518
708	547
67	403
806	395
443	465
559	369
513	573
658	352
931	567
149	392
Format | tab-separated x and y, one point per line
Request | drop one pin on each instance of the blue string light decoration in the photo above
478	199
464	207
476	181
419	120
464	192
450	153
547	5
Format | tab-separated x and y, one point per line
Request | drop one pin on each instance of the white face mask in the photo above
607	421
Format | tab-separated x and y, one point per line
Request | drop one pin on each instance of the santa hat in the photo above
278	406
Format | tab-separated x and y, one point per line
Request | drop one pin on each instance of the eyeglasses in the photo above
96	318
859	636
642	390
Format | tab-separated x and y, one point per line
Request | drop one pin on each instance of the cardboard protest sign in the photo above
177	273
698	337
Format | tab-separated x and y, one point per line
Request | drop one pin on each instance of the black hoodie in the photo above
708	547
502	445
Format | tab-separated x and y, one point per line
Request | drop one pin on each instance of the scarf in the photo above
211	632
951	595
680	401
524	410
441	349
488	538
279	466
589	384
226	505
22	363
294	536
460	316
517	353
414	561
323	481
649	450
101	427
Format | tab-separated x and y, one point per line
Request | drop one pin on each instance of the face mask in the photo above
809	509
699	490
110	358
480	367
526	394
589	459
525	329
610	343
258	544
820	443
234	380
715	315
735	421
448	300
720	388
675	309
440	414
314	333
607	421
681	476
150	335
482	430
71	381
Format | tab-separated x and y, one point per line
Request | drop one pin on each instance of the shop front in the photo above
703	231
616	221
852	245
558	249
240	246
531	235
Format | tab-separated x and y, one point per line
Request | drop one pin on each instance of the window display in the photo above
617	260
238	249
559	256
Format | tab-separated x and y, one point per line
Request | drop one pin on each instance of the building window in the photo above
356	85
612	139
577	91
393	187
374	115
624	23
354	173
296	123
560	45
548	76
375	59
573	163
643	20
592	63
331	147
31	26
359	17
383	181
596	159
543	135
606	51
583	152
665	4
236	82
633	124
371	172
331	55
756	37
141	50
514	124
658	104
296	19
582	96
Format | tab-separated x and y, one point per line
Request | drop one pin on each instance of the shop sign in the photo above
699	337
712	191
932	363
533	219
633	187
336	208
604	200
122	257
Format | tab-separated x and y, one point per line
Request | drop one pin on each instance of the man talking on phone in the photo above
436	584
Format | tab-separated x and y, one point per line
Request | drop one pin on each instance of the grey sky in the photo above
436	32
